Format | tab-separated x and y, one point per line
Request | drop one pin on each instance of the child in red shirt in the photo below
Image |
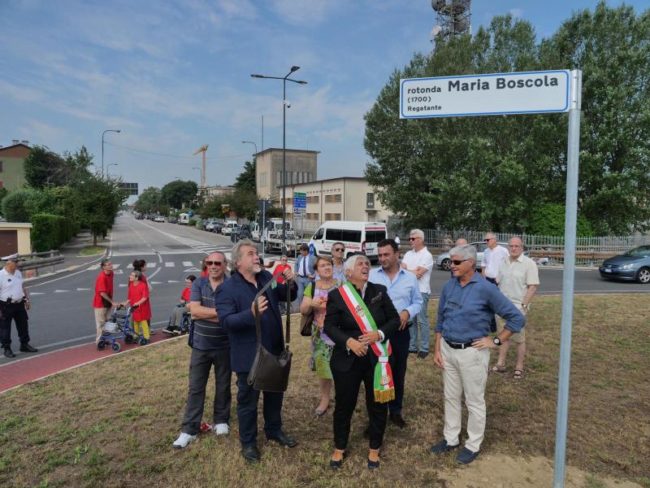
177	313
138	298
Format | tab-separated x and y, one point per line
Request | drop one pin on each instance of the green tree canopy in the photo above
149	201
177	192
246	179
492	172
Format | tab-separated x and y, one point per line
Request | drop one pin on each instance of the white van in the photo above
229	227
358	237
184	219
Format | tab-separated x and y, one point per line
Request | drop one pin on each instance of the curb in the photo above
70	269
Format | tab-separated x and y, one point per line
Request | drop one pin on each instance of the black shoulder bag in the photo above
270	372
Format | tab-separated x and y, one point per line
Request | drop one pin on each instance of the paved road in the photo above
62	315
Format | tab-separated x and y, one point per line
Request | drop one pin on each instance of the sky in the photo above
174	75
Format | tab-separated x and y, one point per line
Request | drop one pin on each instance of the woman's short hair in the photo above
351	262
322	258
465	252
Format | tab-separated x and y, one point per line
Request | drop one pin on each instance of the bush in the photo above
20	205
50	231
548	220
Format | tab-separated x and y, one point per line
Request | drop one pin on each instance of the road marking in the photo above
83	289
116	266
156	282
130	266
191	270
119	271
32	293
93	267
122	285
173	281
61	291
151	265
170	264
188	264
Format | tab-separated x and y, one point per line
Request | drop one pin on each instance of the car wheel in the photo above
643	276
446	264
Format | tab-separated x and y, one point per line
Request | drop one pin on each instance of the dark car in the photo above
634	265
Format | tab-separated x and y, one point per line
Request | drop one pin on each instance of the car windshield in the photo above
639	252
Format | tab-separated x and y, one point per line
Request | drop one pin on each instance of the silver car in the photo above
443	261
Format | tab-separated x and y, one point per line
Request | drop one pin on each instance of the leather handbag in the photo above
270	372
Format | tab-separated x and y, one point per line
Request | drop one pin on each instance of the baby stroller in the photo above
118	327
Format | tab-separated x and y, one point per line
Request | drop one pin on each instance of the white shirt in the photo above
414	259
11	285
516	276
492	259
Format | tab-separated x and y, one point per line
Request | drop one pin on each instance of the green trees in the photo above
494	172
149	201
177	192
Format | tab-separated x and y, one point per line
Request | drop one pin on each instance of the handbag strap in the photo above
258	316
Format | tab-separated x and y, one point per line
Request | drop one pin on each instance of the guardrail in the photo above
37	260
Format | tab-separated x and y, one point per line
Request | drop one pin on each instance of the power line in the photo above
142	151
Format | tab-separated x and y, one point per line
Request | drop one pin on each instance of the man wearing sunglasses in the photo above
338	260
210	348
419	261
462	349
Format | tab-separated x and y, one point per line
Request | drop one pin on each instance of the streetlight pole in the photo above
284	143
103	133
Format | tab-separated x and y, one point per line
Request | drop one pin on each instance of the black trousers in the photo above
346	387
247	398
398	359
16	312
201	363
493	323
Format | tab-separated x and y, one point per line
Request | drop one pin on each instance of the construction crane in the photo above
203	149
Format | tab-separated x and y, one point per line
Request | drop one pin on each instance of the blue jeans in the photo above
302	283
421	328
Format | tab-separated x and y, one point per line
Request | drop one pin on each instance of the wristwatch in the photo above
497	341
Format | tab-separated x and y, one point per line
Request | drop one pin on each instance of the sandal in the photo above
519	374
498	368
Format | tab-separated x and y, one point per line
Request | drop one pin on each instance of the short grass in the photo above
112	423
91	251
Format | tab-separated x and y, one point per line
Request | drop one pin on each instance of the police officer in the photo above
14	303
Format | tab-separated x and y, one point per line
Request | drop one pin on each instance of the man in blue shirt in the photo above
304	270
210	348
467	305
405	294
234	301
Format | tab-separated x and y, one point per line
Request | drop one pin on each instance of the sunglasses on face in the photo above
413	238
339	249
213	263
456	262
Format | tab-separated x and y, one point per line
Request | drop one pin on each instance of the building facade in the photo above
346	198
12	165
301	165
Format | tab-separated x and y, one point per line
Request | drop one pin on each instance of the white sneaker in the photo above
183	440
221	429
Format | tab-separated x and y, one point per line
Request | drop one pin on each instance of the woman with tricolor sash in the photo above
360	315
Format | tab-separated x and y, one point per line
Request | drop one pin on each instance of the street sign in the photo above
299	202
129	188
486	94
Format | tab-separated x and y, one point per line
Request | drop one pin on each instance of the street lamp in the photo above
284	143
108	166
251	142
103	133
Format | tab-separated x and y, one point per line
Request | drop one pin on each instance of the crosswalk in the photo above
188	266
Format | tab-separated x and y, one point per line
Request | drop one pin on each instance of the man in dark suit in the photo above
234	301
304	270
355	354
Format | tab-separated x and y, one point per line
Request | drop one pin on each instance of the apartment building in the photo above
301	166
12	164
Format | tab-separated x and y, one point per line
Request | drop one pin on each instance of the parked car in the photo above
172	220
229	227
443	261
159	218
633	265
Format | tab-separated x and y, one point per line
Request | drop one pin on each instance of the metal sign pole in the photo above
568	279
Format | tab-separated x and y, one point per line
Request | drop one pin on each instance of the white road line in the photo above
130	266
151	265
118	271
116	266
83	289
170	264
61	291
188	264
122	285
93	267
32	293
173	281
156	282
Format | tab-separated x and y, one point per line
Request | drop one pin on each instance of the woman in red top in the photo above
279	269
138	298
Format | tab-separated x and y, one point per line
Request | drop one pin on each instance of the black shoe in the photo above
465	456
251	454
9	353
398	420
284	440
422	354
169	330
412	352
373	464
442	447
27	348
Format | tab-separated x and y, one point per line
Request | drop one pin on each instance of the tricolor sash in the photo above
384	387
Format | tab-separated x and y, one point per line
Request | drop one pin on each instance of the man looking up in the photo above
103	299
404	292
235	302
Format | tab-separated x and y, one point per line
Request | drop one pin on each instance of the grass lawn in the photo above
112	423
91	250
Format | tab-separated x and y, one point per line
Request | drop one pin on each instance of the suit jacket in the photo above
233	300
340	324
311	261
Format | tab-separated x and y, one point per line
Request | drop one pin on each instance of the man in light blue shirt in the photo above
405	294
467	303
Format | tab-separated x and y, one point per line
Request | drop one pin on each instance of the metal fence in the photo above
590	251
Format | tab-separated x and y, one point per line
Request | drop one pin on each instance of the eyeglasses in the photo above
339	249
490	239
456	262
213	263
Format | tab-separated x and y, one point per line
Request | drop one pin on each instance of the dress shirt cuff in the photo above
382	336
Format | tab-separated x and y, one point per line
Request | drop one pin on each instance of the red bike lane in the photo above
34	368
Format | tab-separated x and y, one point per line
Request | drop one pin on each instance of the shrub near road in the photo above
112	423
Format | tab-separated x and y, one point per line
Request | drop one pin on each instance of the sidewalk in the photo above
71	258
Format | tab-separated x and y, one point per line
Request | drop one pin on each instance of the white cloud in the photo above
304	12
517	13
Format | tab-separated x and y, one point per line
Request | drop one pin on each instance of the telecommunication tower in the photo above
453	18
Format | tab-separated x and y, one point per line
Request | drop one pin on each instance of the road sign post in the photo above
534	92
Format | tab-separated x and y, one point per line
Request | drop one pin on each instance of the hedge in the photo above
50	231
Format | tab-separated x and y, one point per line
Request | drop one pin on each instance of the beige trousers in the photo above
101	316
466	371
